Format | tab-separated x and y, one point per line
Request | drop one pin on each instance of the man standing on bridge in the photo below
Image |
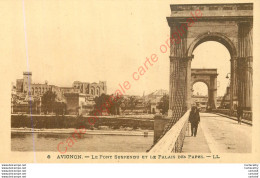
194	119
239	114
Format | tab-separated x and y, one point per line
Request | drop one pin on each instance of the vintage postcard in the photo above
128	81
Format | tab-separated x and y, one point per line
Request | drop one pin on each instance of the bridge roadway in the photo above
218	134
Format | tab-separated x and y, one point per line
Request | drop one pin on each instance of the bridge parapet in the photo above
172	141
247	115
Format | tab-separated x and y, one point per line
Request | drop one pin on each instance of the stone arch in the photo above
225	41
218	37
202	81
233	31
208	77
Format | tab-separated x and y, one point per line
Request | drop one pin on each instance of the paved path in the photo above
218	134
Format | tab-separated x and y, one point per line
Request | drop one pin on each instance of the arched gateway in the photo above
191	25
209	77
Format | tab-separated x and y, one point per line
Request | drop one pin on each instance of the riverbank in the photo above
90	132
74	122
141	116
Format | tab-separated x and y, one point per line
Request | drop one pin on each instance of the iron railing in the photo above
247	115
173	140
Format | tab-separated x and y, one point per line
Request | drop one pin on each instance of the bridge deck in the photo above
218	134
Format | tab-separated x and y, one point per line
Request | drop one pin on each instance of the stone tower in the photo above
27	81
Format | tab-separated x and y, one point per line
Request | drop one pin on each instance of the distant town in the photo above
82	98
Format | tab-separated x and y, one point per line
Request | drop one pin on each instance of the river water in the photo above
88	143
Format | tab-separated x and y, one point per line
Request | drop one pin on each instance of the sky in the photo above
93	41
205	56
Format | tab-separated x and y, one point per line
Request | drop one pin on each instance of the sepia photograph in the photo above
127	80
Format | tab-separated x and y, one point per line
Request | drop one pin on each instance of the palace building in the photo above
26	86
79	98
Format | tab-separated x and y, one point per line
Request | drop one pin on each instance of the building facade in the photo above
79	98
94	89
26	86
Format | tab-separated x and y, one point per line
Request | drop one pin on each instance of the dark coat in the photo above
194	117
239	112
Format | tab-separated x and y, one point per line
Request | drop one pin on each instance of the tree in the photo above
107	103
164	104
48	101
123	105
132	103
116	104
101	102
60	108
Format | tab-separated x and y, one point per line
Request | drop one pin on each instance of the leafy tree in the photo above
123	105
60	108
132	103
114	105
101	102
48	101
107	103
164	104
